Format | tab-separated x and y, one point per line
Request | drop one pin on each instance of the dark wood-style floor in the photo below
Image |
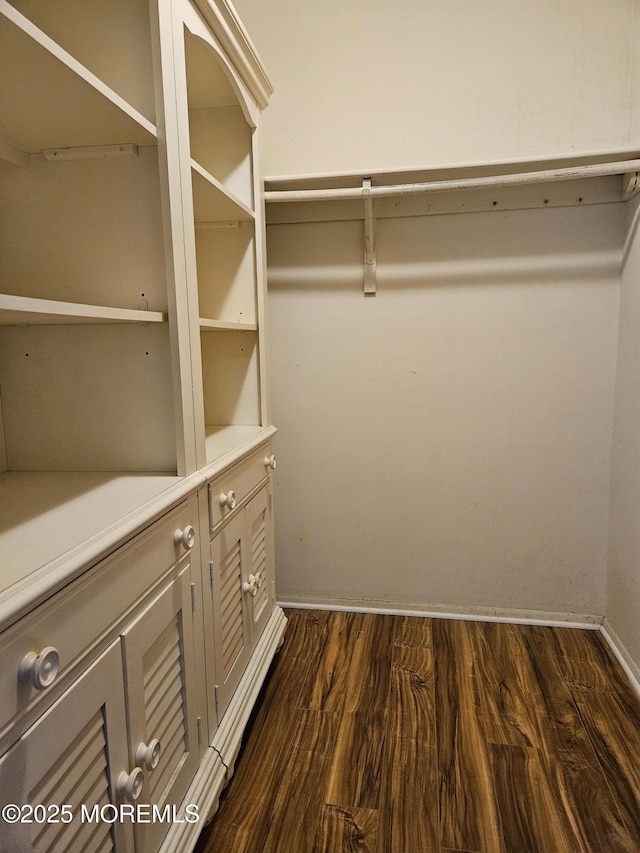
407	735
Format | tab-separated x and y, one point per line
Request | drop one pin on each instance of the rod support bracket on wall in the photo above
369	240
630	185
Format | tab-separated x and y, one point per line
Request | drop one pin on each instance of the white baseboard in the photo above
436	611
625	660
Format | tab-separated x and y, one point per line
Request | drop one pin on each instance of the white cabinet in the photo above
241	573
261	590
125	730
159	657
72	756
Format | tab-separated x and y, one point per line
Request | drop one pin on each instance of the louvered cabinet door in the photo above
158	653
261	571
231	630
72	756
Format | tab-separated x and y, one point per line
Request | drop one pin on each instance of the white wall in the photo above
623	601
634	82
448	441
380	84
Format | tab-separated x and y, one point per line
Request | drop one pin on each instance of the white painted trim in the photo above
223	21
479	614
625	660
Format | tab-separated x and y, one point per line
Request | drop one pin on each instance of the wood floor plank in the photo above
468	812
588	662
292	824
326	683
367	688
408	813
356	768
306	634
590	810
574	772
413	631
411	702
565	729
616	740
530	819
508	698
348	830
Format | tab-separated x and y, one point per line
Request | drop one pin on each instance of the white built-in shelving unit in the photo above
130	264
134	427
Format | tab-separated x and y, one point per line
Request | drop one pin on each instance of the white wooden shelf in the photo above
224	326
46	515
223	439
25	310
212	202
49	100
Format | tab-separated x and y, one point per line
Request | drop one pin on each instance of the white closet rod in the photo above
596	170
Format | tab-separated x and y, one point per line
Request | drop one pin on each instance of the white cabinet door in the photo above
262	570
73	757
231	631
158	653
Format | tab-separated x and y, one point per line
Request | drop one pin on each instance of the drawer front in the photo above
229	489
57	632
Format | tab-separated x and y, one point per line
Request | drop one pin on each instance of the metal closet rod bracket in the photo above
369	240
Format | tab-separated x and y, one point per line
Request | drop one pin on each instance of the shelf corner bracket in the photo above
369	240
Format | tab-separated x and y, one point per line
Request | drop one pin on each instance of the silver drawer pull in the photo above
186	537
40	668
229	499
148	755
270	462
129	785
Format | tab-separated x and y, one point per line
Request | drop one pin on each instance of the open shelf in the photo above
49	100
219	133
45	515
112	40
87	397
212	202
221	440
24	310
226	266
231	385
85	231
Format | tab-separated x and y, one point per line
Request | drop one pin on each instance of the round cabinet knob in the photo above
148	754
40	668
186	537
129	785
250	586
229	499
270	462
